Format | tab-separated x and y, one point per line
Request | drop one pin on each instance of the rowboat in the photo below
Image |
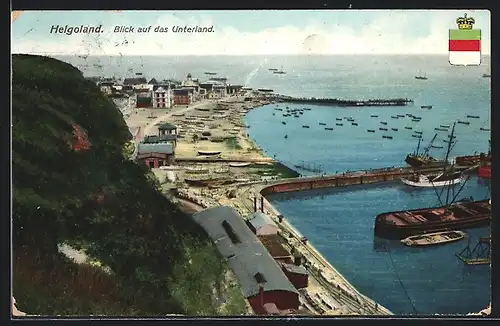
209	152
431	239
239	165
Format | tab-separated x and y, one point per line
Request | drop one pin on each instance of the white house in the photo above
162	98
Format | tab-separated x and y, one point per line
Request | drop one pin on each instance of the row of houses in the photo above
268	276
168	93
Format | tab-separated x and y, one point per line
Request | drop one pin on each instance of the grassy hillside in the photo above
72	184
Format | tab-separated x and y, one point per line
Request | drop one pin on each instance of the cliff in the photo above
73	185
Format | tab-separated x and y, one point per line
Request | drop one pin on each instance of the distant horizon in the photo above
252	55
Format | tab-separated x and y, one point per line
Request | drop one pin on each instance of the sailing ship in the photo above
421	77
448	177
450	215
479	255
432	239
279	72
420	160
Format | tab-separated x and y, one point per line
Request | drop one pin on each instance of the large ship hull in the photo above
475	214
420	162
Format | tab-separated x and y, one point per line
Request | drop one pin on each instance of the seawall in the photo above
340	180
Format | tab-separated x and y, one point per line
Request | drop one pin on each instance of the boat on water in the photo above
339	124
383	122
374	116
458	215
484	129
479	255
279	71
210	73
426	107
419	159
394	129
387	137
209	153
354	123
382	129
283	122
430	181
421	77
370	130
473	116
432	239
447	177
273	69
463	122
328	128
239	165
322	124
304	126
486	75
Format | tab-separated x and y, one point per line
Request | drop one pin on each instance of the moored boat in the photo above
209	153
432	239
426	107
459	215
427	181
239	165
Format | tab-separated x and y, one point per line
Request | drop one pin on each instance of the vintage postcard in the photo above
251	163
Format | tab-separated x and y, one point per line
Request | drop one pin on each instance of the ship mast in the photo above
428	148
418	146
448	150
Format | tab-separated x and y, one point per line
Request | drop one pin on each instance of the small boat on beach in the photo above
473	116
239	165
209	153
431	239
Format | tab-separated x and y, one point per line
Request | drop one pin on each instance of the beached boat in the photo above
239	165
209	153
458	215
432	239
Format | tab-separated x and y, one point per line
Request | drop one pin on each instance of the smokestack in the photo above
255	204
262	204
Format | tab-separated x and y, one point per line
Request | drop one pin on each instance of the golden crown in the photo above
465	22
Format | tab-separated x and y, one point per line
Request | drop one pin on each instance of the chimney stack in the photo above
262	204
255	204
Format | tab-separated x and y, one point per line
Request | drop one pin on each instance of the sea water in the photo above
339	222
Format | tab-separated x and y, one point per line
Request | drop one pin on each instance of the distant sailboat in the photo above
421	77
279	72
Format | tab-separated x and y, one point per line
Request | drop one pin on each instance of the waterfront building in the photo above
297	274
233	89
262	224
156	155
274	245
143	98
165	138
106	87
134	81
162	97
182	96
262	281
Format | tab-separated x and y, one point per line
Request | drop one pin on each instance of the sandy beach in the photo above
217	126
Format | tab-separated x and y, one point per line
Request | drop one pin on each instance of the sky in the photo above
266	32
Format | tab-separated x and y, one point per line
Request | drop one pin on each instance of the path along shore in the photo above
223	118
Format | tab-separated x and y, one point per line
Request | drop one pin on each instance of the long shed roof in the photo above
259	219
245	254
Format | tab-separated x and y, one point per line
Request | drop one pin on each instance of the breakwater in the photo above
347	103
344	179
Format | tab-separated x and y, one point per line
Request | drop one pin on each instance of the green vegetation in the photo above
277	169
232	142
73	183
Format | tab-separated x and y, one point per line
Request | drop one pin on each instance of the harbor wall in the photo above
333	181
